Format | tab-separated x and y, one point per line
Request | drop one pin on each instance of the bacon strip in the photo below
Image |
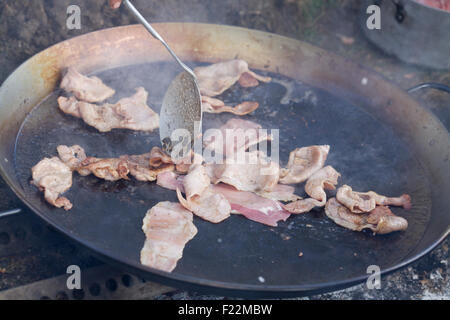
256	173
303	163
213	105
237	135
216	78
359	202
381	220
167	227
250	205
128	113
53	177
89	89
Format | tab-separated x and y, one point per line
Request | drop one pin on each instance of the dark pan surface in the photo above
108	216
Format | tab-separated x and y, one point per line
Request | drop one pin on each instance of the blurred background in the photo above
29	26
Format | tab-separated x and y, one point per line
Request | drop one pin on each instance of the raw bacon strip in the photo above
213	105
216	78
167	227
89	89
303	163
381	220
359	202
128	113
201	198
53	177
250	205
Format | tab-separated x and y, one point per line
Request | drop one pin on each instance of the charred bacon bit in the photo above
167	227
128	113
212	105
381	220
359	202
54	177
89	89
303	163
140	168
216	78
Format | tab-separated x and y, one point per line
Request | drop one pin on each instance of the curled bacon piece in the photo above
380	220
54	177
216	78
359	202
303	163
213	105
128	113
89	89
201	198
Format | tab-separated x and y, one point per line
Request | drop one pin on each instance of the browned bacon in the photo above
381	220
359	202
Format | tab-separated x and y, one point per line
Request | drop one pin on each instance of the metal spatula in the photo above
182	106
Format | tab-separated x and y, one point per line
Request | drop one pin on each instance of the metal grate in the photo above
97	283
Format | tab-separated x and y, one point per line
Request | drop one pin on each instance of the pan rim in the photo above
204	284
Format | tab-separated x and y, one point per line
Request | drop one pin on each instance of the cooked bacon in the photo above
303	205
128	113
237	135
89	89
158	157
73	157
280	192
255	172
54	177
167	227
250	205
303	163
216	78
324	179
213	105
201	198
140	168
110	169
359	202
381	220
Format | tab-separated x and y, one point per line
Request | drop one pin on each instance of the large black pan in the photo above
380	139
